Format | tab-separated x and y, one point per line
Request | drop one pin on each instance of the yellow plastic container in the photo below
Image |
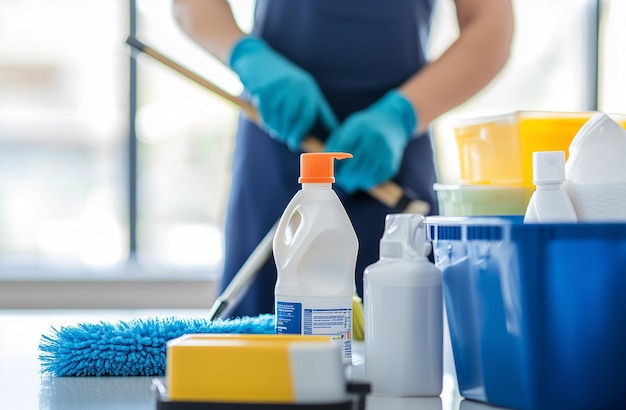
498	150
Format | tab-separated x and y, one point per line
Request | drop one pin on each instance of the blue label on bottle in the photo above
288	318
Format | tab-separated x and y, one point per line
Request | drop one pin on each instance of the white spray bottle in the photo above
404	313
315	250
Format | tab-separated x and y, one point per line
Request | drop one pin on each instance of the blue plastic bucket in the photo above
537	312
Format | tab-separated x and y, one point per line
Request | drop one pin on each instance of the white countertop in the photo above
22	386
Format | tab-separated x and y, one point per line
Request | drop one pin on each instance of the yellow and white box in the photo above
243	368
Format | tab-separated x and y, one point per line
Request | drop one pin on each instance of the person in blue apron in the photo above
355	74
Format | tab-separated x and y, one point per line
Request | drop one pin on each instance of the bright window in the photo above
63	125
64	129
185	137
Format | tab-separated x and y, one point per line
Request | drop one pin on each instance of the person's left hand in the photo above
376	137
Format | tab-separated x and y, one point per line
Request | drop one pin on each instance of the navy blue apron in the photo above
357	50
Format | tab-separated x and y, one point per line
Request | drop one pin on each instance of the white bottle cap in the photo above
404	237
548	167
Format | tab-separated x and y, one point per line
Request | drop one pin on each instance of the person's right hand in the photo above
289	100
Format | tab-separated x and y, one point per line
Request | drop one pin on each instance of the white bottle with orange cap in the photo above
315	250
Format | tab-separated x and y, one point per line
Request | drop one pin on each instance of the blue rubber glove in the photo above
288	98
376	137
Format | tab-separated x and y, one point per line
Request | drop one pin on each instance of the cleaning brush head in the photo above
130	348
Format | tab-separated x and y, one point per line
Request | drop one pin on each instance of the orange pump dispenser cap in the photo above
317	167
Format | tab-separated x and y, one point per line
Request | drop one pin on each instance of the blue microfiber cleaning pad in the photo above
130	348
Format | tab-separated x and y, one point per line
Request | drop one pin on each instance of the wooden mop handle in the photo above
389	193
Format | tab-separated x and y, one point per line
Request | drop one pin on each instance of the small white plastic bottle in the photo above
550	202
404	313
315	250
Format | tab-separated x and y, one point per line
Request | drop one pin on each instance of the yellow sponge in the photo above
255	369
358	318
